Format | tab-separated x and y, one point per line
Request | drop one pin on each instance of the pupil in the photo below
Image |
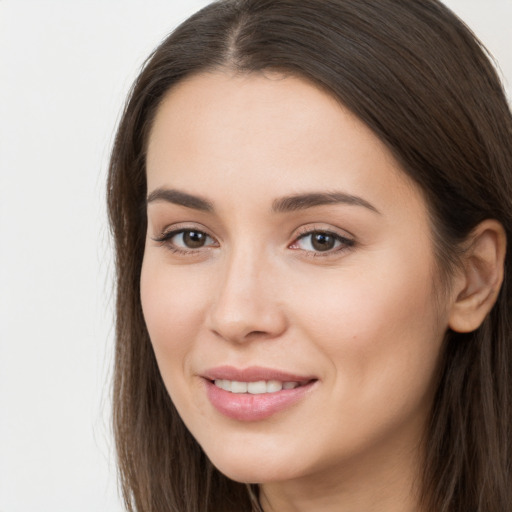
323	242
194	239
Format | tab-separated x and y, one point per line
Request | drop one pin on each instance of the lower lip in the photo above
248	407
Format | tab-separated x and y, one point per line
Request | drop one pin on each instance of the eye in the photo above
321	242
191	239
185	240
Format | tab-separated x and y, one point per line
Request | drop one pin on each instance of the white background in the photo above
65	69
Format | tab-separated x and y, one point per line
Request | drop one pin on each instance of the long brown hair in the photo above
417	76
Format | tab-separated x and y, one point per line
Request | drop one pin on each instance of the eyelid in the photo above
172	233
323	228
171	229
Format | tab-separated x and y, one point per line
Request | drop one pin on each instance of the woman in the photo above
311	203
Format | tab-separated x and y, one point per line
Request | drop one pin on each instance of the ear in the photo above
476	288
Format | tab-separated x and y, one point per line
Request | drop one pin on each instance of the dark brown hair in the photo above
417	76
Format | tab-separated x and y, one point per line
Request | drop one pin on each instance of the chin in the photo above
250	473
247	468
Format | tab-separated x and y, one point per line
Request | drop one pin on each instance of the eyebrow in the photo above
309	200
281	205
180	198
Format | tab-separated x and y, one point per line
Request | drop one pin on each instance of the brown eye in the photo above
184	240
194	239
322	241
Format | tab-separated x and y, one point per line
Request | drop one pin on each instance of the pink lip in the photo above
248	407
253	374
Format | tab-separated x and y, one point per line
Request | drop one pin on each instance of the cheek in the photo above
173	306
379	329
350	304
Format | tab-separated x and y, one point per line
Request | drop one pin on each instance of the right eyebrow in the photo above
180	198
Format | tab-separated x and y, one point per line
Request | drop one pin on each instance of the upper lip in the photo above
253	374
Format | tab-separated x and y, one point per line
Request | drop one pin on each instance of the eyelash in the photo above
344	243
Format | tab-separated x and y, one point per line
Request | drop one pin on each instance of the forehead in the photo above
269	135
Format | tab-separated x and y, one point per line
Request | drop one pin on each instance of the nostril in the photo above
257	333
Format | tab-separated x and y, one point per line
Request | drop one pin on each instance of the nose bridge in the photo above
245	305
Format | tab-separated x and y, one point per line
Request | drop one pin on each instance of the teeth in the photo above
273	386
255	388
238	387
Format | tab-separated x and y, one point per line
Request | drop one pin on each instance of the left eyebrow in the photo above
309	200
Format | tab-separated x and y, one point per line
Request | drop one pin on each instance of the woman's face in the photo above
288	281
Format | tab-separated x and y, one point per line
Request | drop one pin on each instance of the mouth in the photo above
256	393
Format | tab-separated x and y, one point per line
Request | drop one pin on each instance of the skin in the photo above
363	318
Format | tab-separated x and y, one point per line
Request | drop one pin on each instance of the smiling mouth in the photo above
255	393
256	400
256	388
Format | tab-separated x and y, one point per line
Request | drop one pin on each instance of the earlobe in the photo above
481	276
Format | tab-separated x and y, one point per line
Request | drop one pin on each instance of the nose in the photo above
246	305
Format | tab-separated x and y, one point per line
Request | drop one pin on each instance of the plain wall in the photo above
65	69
